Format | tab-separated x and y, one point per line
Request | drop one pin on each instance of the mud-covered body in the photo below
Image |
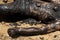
31	31
41	11
37	10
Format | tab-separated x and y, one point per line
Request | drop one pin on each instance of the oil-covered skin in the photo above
29	8
16	31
